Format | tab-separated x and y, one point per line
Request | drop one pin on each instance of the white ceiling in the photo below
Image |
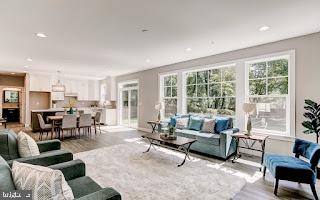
103	37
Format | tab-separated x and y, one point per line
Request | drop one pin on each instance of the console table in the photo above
249	145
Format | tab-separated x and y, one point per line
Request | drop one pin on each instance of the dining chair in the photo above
85	123
43	126
97	118
80	112
69	122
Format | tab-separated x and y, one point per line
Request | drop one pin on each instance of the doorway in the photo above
129	98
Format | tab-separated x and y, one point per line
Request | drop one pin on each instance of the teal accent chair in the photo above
50	150
82	186
294	169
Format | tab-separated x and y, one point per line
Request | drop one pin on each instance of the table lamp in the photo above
159	107
249	109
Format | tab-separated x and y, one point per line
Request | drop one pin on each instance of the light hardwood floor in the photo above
259	189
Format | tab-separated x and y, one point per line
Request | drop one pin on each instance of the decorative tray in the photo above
170	137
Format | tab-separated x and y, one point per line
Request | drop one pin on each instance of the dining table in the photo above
58	118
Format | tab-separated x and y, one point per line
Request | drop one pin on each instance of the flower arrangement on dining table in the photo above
72	103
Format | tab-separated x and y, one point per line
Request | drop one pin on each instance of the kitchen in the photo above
47	94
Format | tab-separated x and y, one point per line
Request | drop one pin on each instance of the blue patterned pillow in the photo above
195	123
222	123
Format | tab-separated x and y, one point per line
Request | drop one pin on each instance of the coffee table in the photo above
181	144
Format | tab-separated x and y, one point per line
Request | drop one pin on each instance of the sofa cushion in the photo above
195	123
283	167
182	123
6	183
83	186
212	139
222	123
44	182
173	120
27	146
208	126
8	144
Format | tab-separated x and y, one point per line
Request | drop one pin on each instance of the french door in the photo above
129	105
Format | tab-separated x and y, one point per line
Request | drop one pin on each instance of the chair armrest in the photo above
49	145
103	194
72	169
47	158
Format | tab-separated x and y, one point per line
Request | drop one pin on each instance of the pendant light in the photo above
59	87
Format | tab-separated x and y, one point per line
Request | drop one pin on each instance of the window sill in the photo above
274	136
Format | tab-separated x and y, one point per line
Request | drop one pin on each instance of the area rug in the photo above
155	175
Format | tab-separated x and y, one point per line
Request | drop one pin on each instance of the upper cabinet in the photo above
40	82
94	92
84	89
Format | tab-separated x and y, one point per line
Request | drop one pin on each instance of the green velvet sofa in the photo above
82	186
50	150
219	143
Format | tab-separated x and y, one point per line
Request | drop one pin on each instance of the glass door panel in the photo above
133	95
125	108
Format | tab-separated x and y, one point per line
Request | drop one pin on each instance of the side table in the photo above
154	125
3	121
249	145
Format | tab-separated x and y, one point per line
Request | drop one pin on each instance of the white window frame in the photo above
207	68
290	113
161	90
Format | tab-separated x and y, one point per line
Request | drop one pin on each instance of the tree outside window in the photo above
212	91
170	95
268	88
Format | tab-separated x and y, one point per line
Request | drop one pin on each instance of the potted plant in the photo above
312	125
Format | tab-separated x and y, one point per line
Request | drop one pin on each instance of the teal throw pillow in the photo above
195	123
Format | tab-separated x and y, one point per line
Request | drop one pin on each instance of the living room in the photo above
160	99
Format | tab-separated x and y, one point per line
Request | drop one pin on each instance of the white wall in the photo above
307	79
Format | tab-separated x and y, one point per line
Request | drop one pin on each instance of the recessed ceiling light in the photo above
26	66
42	35
12	73
264	28
148	60
188	49
29	59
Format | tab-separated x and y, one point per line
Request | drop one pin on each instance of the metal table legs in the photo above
182	148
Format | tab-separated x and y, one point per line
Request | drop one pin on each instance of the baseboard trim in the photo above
144	130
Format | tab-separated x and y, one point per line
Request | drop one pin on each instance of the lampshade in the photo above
249	108
159	106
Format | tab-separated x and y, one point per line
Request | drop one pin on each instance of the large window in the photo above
267	86
211	91
169	96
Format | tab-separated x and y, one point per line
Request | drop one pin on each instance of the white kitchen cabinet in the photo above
57	96
94	92
109	117
83	90
40	82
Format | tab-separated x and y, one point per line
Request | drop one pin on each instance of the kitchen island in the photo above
44	112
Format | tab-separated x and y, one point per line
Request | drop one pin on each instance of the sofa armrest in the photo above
47	158
227	142
103	194
230	131
72	169
49	145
